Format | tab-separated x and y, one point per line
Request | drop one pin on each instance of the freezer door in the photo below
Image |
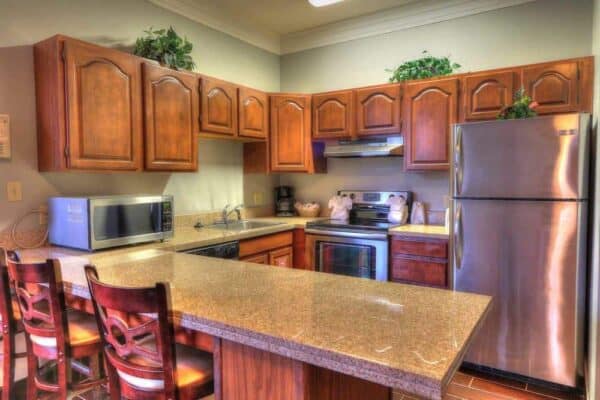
537	158
530	256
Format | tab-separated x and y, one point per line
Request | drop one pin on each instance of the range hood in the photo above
385	147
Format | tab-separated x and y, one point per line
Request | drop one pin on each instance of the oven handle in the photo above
357	235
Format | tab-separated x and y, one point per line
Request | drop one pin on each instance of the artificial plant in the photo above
424	67
522	107
166	47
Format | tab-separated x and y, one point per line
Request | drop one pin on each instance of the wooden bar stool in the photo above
14	366
143	361
52	332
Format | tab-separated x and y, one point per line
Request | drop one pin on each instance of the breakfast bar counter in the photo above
289	325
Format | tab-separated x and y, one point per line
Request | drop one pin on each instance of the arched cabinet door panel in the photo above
104	108
171	112
378	110
553	86
430	110
253	113
290	144
487	94
333	115
219	108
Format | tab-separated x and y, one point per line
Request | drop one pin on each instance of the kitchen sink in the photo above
243	225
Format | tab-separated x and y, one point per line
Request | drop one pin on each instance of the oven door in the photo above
351	256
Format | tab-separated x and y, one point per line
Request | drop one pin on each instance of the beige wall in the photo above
117	23
539	31
594	308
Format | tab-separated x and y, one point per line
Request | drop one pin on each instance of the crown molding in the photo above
404	17
212	18
395	19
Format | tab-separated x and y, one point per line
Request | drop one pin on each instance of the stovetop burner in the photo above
363	224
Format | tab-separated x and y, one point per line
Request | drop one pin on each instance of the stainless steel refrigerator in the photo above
519	212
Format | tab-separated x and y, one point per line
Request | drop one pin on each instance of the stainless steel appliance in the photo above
229	250
519	235
357	247
92	223
377	147
284	201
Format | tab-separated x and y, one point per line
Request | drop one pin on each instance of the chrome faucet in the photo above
226	212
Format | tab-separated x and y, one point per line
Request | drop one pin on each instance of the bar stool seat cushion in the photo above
193	368
82	331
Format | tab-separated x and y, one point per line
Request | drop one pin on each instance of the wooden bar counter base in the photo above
288	334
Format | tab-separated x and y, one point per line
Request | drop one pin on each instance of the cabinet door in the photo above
262	258
333	115
219	107
553	86
171	115
430	110
420	271
253	113
282	257
104	108
290	133
486	95
378	110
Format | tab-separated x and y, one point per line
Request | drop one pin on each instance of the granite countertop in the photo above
408	337
425	231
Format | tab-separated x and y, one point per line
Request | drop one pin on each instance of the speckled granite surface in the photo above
425	231
408	337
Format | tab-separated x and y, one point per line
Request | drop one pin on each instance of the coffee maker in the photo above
284	201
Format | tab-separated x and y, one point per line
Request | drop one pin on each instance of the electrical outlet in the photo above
259	198
13	191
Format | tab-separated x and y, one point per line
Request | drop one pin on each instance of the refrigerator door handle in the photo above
458	162
458	237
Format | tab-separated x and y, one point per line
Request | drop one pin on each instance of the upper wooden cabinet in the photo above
219	107
333	115
290	144
253	113
88	105
430	109
378	110
553	86
171	105
487	94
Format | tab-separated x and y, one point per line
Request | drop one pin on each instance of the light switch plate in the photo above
5	152
14	191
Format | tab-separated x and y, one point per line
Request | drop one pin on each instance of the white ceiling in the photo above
287	26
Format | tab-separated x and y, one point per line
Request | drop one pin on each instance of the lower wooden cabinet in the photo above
275	249
420	261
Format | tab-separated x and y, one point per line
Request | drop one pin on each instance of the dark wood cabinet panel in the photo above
421	247
262	258
378	110
253	113
419	271
554	86
299	240
264	244
283	257
171	112
487	94
290	144
219	108
104	109
430	109
333	115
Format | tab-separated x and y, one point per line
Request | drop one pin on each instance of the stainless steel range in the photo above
356	247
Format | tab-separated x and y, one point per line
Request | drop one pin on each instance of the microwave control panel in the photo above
167	216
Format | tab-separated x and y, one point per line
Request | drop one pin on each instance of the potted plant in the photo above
424	67
166	47
523	107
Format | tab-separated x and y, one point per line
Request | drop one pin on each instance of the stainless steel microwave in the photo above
92	223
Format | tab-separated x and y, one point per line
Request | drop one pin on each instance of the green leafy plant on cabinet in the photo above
422	68
166	47
522	107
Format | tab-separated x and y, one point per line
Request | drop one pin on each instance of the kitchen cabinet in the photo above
299	244
487	94
553	86
430	110
253	113
171	111
275	249
333	115
378	110
421	261
291	149
89	107
219	107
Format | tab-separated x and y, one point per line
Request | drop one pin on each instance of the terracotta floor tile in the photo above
468	393
510	392
495	378
555	393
